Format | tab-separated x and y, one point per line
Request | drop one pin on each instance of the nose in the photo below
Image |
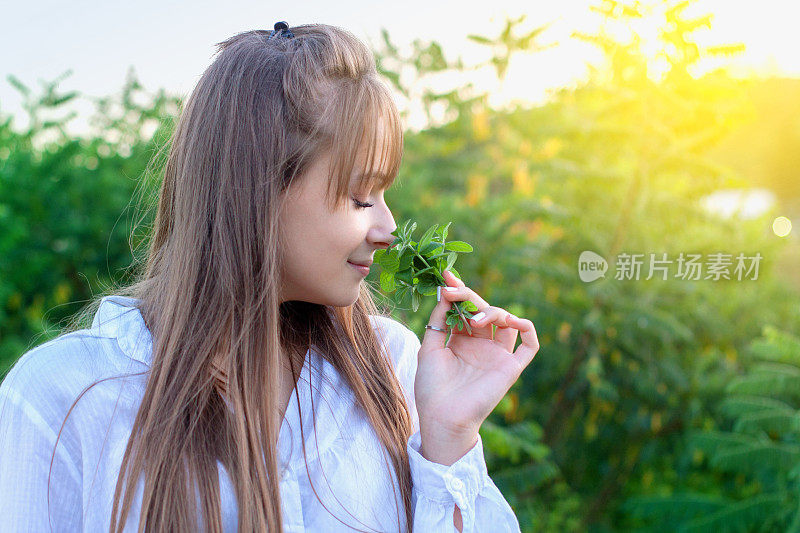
384	226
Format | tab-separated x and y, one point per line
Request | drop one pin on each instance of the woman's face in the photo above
319	243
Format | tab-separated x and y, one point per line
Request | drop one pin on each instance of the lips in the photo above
364	264
362	269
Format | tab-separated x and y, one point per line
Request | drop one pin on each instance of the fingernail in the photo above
439	293
479	316
450	289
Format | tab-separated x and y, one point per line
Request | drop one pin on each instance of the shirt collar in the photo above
119	317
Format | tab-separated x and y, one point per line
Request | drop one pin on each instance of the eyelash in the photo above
362	205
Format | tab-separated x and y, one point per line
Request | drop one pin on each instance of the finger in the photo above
452	280
482	322
507	335
433	339
530	341
457	291
465	294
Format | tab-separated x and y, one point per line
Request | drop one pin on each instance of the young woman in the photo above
247	381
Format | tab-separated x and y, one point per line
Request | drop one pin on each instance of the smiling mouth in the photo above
363	269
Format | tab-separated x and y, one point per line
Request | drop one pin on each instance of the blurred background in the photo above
663	402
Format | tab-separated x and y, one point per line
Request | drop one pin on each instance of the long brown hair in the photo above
209	288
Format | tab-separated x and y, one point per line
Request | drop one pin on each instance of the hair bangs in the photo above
384	139
367	122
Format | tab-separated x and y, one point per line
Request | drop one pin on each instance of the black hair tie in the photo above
281	26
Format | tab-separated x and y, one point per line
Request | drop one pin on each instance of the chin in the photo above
343	300
350	300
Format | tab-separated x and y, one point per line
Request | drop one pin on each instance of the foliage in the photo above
617	164
757	456
63	236
418	268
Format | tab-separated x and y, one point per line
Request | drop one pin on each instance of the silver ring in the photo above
437	329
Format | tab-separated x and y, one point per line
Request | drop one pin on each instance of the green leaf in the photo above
479	39
451	260
673	507
388	262
736	406
387	281
739	516
778	457
526	477
427	288
444	231
402	295
405	260
458	246
437	256
427	237
415	299
780	421
469	306
406	275
429	249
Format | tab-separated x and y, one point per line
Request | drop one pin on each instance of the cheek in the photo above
328	240
318	237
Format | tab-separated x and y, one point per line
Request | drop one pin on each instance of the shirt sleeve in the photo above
437	488
27	441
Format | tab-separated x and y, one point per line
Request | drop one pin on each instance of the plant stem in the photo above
456	305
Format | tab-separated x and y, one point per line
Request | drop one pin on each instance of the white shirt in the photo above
41	386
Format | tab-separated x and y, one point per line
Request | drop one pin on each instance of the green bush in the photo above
617	164
755	456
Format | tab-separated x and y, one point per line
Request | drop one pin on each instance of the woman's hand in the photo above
459	383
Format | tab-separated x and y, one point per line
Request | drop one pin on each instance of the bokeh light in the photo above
782	226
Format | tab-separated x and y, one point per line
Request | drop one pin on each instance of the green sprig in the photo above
416	268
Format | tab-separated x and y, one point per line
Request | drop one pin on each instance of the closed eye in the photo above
362	205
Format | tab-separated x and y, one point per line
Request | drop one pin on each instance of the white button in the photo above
457	484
